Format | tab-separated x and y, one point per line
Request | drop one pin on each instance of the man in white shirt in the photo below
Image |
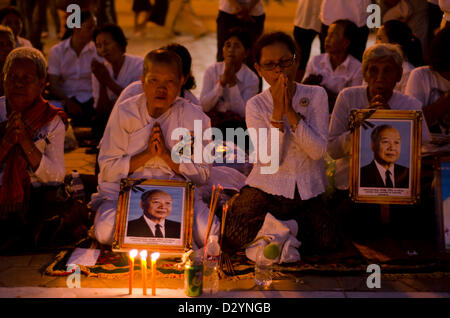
69	69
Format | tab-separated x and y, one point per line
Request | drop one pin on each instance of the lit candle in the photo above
155	257
132	255
144	271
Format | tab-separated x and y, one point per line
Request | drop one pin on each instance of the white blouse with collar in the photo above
301	152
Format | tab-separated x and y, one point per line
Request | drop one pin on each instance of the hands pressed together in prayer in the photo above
100	71
229	75
378	102
282	94
17	133
242	11
156	147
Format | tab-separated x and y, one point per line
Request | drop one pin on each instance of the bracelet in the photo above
276	121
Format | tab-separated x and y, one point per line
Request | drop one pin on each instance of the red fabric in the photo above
16	180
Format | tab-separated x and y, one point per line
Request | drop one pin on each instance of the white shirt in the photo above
50	141
347	74
225	6
223	99
22	42
73	70
307	15
426	85
301	153
339	133
130	71
127	134
382	171
353	10
152	225
407	69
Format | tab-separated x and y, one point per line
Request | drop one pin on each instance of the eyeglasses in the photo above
282	64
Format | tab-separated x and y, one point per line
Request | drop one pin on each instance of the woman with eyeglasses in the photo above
296	116
228	85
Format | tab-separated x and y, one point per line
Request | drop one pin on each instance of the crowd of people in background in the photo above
133	103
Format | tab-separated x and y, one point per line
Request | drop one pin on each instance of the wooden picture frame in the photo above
165	199
396	144
442	202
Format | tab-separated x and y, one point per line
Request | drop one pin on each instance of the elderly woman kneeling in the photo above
31	135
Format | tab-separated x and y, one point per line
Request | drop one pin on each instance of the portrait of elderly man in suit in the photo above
156	206
383	172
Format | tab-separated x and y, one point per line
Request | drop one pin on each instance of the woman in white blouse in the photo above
31	137
336	68
113	74
228	85
299	115
138	140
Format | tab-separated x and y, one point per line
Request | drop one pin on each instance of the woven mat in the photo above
392	255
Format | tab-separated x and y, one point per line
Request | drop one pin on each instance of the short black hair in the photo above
271	38
10	10
165	57
242	35
350	33
116	33
400	33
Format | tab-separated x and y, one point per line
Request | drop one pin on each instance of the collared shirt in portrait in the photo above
152	225
382	170
301	163
339	133
223	99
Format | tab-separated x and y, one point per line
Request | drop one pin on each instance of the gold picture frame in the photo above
367	185
134	231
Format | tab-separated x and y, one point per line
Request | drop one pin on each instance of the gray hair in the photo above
381	51
7	30
30	54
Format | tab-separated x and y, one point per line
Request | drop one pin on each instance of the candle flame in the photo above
143	254
133	253
155	256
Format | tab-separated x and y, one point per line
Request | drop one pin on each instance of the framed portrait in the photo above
156	215
442	197
385	156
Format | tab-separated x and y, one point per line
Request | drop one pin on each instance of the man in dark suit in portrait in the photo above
157	206
383	172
